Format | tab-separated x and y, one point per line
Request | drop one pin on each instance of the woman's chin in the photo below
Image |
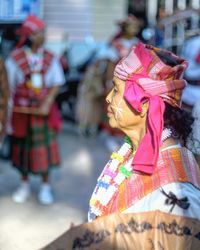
112	123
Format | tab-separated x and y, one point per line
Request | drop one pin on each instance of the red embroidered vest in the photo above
24	96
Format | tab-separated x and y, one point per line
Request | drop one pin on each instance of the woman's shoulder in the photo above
177	152
180	160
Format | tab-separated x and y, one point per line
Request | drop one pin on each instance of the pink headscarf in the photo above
150	79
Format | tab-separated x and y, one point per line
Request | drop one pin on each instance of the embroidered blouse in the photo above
176	171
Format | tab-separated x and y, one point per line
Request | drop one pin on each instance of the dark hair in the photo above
180	119
167	59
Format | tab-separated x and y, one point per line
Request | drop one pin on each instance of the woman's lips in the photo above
109	113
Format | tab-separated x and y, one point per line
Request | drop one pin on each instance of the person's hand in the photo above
44	109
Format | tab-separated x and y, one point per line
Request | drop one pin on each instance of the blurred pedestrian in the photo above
153	170
35	75
90	99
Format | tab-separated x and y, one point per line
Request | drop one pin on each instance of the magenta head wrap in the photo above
148	78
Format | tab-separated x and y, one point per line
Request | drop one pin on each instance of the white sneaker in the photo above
45	195
22	193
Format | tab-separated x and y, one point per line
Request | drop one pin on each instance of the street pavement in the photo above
31	226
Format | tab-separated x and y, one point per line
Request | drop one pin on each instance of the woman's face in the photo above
38	38
121	115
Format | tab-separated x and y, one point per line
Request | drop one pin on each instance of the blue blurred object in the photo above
5	148
17	11
26	6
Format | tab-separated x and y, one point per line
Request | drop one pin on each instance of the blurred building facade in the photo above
93	21
68	21
84	18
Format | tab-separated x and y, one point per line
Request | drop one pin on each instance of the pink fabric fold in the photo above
146	155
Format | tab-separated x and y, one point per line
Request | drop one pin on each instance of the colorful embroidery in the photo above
118	187
114	173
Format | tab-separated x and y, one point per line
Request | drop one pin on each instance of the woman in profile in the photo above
153	169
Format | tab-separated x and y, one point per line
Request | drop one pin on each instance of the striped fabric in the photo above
174	165
38	151
144	66
19	57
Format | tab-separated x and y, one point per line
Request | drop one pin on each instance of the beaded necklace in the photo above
35	60
116	171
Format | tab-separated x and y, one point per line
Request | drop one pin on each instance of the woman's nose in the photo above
108	97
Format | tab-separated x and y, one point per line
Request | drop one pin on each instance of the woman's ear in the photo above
145	108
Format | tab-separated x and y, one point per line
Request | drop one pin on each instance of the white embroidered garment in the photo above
157	199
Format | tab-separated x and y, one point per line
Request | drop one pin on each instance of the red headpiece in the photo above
31	25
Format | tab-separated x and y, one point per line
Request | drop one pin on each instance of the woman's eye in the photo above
115	90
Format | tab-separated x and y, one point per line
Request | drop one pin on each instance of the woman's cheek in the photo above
121	112
122	119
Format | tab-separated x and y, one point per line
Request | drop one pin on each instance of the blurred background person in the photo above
90	98
97	79
128	34
35	75
95	83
